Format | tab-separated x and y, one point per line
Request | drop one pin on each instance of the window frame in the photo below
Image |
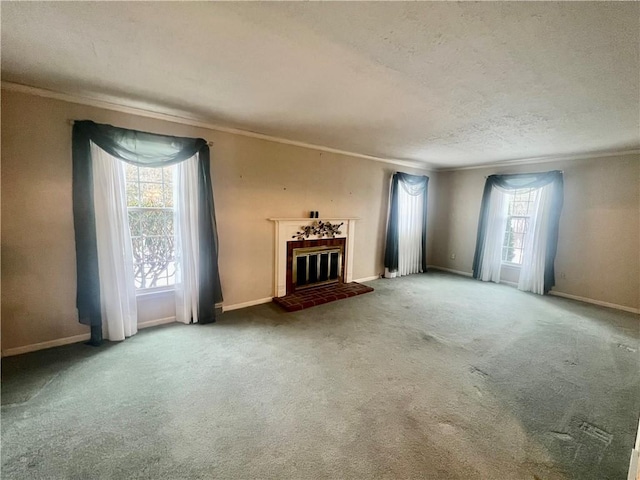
527	217
159	289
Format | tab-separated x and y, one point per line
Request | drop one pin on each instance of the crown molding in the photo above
194	122
545	159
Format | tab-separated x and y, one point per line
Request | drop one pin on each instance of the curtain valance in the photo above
413	184
139	148
524	180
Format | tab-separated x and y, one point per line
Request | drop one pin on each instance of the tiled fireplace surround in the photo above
285	231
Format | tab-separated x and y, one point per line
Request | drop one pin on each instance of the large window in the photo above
521	203
150	207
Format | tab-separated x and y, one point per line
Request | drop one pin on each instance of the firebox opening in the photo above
319	265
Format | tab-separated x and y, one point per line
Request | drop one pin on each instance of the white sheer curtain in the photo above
410	209
185	196
115	257
535	243
410	223
496	226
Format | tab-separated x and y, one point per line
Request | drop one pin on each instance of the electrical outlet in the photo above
563	275
452	256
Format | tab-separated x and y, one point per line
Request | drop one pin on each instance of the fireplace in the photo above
336	251
312	263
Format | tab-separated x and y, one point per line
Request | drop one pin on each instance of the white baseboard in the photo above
251	303
367	279
153	323
9	352
594	302
450	270
58	342
552	292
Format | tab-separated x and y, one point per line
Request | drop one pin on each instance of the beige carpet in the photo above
429	377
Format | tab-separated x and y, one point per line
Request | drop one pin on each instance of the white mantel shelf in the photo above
286	228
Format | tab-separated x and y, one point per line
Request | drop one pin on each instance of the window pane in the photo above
148	174
158	255
132	195
520	196
153	222
167	174
134	223
168	195
168	223
518	240
507	251
519	224
508	254
131	173
517	256
150	201
137	245
161	282
151	195
520	208
138	273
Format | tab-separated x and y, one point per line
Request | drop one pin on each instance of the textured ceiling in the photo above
450	84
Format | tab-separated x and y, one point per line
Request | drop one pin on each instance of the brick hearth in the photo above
319	295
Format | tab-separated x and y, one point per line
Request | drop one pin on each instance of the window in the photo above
521	204
150	208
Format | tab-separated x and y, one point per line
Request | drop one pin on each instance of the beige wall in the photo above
599	243
253	179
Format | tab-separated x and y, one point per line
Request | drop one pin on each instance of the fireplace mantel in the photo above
286	228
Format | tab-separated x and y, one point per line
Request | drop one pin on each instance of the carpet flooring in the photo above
430	376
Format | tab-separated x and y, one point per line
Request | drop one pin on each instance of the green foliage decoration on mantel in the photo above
320	229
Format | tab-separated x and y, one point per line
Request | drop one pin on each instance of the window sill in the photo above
155	292
514	266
